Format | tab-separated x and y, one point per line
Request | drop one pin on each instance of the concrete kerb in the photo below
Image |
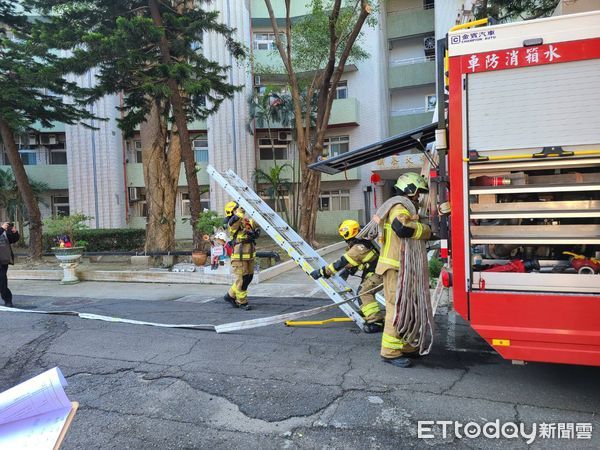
149	276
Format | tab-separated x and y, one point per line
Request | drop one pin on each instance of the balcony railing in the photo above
415	60
410	22
409	111
412	8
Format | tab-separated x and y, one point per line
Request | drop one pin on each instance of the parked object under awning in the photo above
410	140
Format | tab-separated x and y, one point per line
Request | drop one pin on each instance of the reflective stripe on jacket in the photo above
359	256
392	245
244	248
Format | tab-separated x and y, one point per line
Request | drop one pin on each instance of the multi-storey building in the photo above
100	174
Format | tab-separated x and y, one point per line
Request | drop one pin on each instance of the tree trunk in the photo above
33	210
161	176
179	114
309	207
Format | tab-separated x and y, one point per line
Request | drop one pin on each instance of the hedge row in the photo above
105	240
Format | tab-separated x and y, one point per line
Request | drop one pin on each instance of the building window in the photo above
58	156
337	200
266	149
428	4
264	41
29	158
341	91
200	149
60	205
430	102
337	145
48	139
137	149
185	202
137	197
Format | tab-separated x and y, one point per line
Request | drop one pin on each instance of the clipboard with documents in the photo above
36	414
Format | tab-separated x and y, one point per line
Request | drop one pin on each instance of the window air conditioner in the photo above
429	45
133	194
284	136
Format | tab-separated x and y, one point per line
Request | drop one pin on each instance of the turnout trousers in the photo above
244	272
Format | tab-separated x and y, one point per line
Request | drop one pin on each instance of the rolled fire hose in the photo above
413	316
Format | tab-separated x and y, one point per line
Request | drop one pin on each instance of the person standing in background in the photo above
8	235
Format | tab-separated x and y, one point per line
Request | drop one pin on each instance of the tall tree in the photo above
509	10
161	163
150	50
31	90
320	44
12	200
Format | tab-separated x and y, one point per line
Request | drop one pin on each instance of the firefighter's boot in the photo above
401	362
229	299
373	327
245	306
374	322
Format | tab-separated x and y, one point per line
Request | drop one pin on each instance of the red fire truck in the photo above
523	128
518	142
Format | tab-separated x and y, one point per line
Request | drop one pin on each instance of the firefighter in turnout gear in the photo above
360	256
398	225
244	233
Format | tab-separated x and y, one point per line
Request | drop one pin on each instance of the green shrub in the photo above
60	226
105	240
208	221
435	267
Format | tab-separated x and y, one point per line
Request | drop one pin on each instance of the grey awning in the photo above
388	147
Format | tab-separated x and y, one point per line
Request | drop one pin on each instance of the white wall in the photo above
399	5
230	144
406	48
449	13
101	196
410	98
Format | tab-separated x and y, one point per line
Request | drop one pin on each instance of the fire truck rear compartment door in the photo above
535	106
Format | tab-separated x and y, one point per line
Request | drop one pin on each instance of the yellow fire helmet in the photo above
230	208
411	183
349	229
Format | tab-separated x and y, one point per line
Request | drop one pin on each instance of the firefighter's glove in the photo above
318	273
233	219
402	231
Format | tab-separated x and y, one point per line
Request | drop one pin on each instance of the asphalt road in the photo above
277	387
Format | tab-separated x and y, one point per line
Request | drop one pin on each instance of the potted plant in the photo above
208	221
66	249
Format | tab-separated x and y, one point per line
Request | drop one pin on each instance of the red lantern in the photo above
375	178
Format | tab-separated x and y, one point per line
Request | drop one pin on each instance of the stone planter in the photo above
69	259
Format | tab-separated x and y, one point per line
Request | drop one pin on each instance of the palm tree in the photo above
12	201
278	183
264	110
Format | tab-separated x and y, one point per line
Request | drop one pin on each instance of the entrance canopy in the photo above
410	140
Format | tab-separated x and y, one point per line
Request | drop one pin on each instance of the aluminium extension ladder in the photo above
303	254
